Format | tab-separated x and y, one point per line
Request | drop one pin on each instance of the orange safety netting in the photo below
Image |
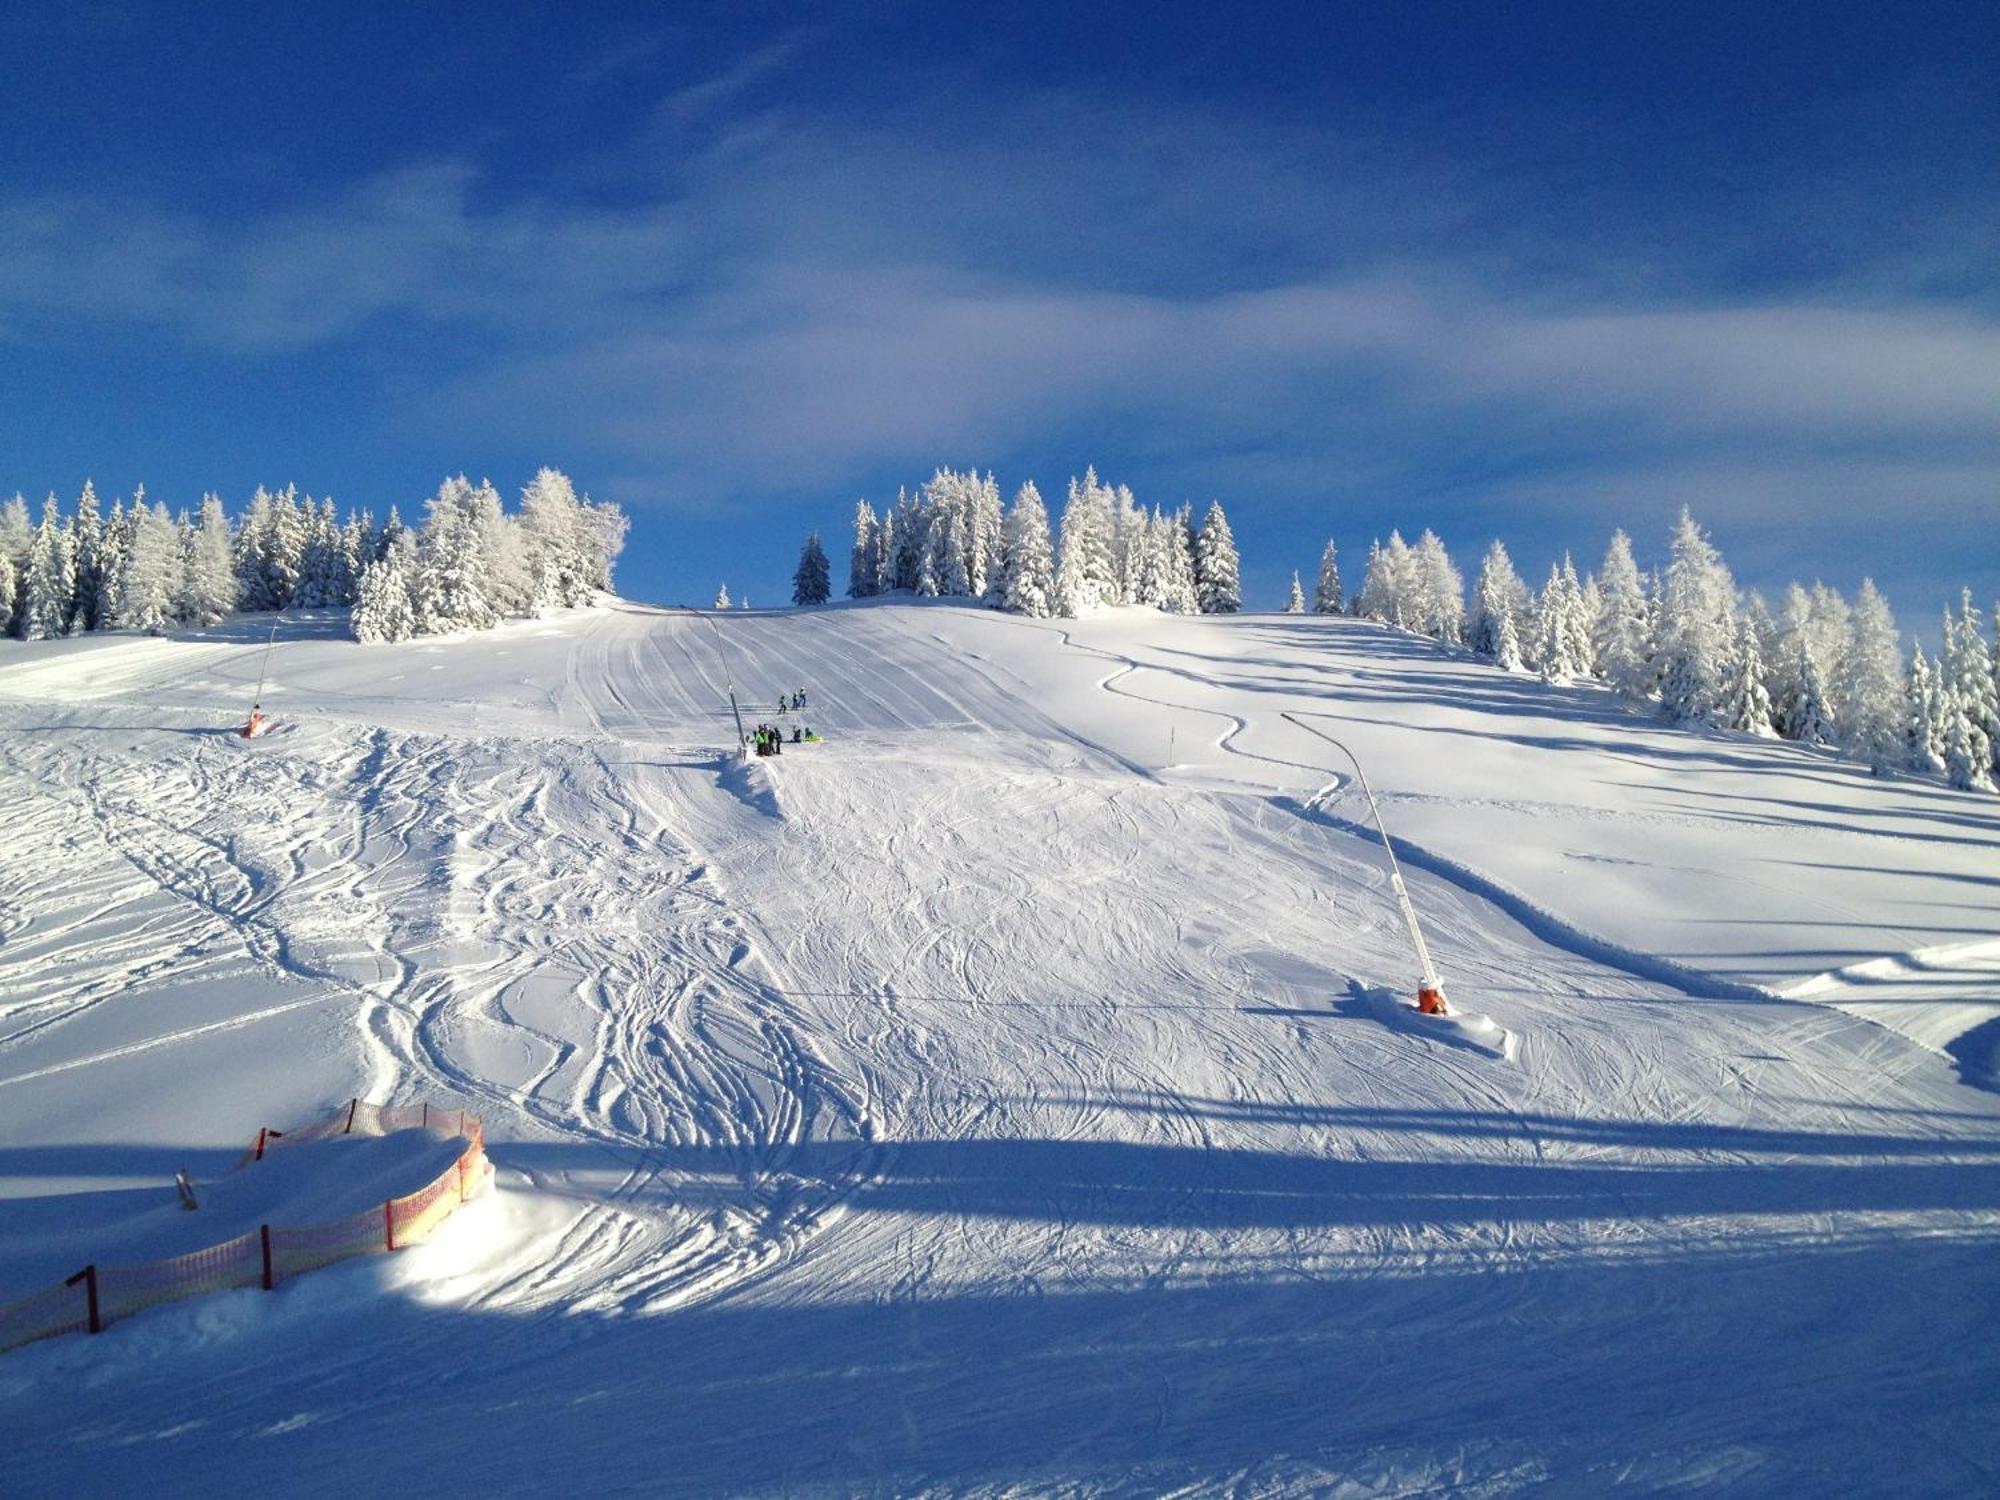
99	1295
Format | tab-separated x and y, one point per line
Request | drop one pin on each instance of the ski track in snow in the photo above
960	1105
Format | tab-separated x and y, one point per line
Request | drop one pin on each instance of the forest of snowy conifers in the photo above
469	566
1821	670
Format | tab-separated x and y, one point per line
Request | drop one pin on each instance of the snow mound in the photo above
1476	1033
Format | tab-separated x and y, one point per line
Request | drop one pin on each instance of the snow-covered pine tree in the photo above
1326	594
286	543
721	600
86	535
1871	720
912	538
931	569
384	608
1696	623
1295	601
555	542
1580	622
1217	568
1381	584
1029	567
1440	590
1496	608
450	592
50	593
1923	739
1968	756
1829	623
114	544
1086	545
1075	594
1746	704
208	576
1560	640
861	565
1151	584
888	547
251	552
150	575
1968	673
1181	595
956	582
810	581
986	549
17	535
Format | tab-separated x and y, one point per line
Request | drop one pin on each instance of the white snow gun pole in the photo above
256	720
1430	992
742	739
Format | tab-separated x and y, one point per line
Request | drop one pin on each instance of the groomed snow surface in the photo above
977	1102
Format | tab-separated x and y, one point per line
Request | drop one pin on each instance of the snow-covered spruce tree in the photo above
1440	590
1561	641
986	544
6	596
1829	622
451	584
887	547
930	567
721	600
208	576
1217	569
1182	594
254	587
86	535
1968	755
1697	620
17	535
1924	725
912	540
1326	594
1871	722
861	563
1497	601
811	583
956	580
1150	583
1968	674
150	574
114	544
1029	567
1746	704
556	542
1295	602
1386	584
1075	595
384	611
50	591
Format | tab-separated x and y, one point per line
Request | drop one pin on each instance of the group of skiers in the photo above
768	739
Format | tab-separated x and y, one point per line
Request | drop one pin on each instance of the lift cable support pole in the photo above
1430	992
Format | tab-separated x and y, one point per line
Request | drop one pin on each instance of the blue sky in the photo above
1527	271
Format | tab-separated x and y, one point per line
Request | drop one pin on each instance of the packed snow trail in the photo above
966	1104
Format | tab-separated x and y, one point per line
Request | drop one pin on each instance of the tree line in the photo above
1819	669
470	564
953	539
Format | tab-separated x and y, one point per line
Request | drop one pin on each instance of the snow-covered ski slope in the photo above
975	1104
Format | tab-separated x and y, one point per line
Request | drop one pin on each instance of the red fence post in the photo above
352	1105
88	1276
389	1224
270	1281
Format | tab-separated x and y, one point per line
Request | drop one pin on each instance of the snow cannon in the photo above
1430	1001
253	726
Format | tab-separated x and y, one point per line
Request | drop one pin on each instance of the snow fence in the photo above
98	1296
